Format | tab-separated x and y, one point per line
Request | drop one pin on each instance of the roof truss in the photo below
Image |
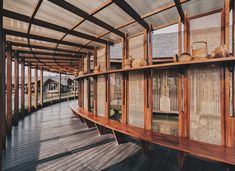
180	10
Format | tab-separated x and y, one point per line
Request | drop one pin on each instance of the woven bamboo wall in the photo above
136	99
136	47
205	112
202	30
101	95
101	59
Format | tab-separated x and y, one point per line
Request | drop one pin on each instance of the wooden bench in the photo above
185	146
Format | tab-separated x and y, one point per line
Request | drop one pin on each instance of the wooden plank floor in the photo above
52	139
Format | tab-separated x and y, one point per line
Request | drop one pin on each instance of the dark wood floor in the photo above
52	139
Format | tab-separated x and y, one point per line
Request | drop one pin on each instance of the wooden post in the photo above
29	87
179	36
148	81
233	29
95	84
22	88
36	87
186	34
16	89
2	84
107	82
222	38
9	87
124	80
227	10
41	87
60	86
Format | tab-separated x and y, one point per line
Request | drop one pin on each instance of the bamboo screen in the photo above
205	112
85	101
136	47
101	95
202	30
165	101
101	59
136	99
115	96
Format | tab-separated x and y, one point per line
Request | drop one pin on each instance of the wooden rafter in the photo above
41	23
180	10
67	6
49	54
131	12
46	39
45	48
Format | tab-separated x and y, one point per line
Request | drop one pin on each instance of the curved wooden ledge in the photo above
194	148
162	66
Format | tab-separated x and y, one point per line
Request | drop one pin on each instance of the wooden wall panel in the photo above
205	106
101	59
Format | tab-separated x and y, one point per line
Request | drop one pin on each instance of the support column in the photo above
22	88
16	89
41	87
29	87
95	84
2	85
107	82
125	54
9	88
36	87
60	86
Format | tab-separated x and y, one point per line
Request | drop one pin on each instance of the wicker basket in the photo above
199	50
81	73
97	69
220	52
138	63
185	57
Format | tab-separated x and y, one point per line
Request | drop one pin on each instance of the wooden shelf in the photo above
162	66
195	148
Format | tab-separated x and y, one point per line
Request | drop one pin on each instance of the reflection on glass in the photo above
115	96
165	101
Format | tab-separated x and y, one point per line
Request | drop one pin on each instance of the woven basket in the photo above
81	73
220	52
199	50
97	69
138	63
185	57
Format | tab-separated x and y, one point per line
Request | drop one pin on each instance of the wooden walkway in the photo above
52	139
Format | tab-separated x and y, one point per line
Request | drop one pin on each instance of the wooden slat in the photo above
9	88
22	88
179	36
16	89
227	26
29	88
41	86
36	87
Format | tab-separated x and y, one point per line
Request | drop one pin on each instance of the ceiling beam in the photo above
46	58
48	53
45	48
46	39
67	6
24	18
131	12
180	9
